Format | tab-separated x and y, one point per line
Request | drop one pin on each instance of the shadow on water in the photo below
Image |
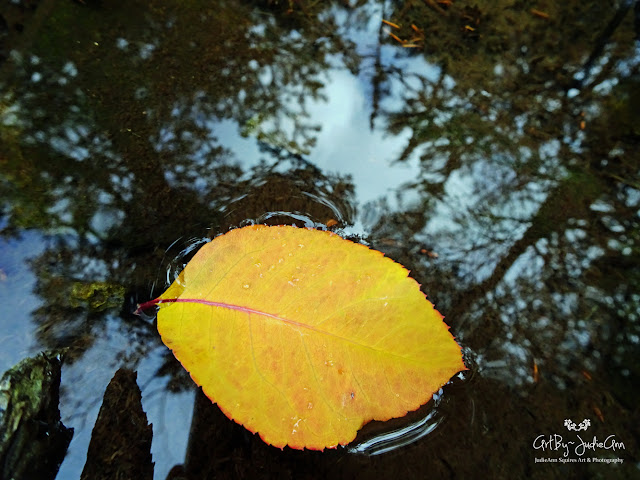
491	148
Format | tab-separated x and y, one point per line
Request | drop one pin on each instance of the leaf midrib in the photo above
248	310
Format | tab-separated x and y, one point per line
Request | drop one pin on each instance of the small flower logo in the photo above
583	425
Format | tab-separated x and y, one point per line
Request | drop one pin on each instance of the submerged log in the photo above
33	440
120	444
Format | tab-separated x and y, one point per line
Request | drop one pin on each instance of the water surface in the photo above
489	147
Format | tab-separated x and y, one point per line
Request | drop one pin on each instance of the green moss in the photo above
96	296
33	440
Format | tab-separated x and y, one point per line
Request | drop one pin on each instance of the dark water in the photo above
495	153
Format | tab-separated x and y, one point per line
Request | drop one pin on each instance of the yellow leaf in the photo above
302	336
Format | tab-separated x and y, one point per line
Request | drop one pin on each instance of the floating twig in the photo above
391	24
539	13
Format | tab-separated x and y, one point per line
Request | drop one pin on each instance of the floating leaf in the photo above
303	336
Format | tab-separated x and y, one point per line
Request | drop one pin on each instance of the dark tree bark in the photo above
120	444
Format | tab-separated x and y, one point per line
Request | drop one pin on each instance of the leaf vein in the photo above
292	323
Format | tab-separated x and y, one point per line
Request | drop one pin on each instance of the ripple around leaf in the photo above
397	438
